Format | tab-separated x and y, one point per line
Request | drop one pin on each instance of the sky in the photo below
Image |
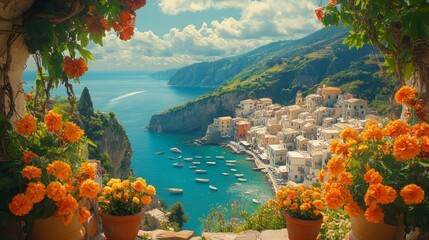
176	33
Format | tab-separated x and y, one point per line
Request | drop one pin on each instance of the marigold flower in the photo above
378	193
319	13
336	166
28	156
406	95
396	128
89	189
56	191
67	205
74	68
412	194
35	191
66	219
362	148
304	207
287	202
294	206
26	125
146	200
54	122
372	133
60	169
374	214
31	172
333	146
88	170
421	129
150	190
83	214
136	200
72	132
345	178
334	199
424	143
372	177
138	186
352	208
318	204
20	205
349	133
405	147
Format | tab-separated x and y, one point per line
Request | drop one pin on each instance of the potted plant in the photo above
302	206
121	207
54	176
380	175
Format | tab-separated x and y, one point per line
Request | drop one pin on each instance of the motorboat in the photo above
159	153
242	180
220	157
230	164
208	156
175	190
249	159
233	170
175	150
256	201
192	167
231	161
239	175
178	164
225	174
196	163
203	180
213	188
211	163
257	168
188	159
198	157
200	171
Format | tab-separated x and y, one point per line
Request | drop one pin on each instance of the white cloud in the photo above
174	7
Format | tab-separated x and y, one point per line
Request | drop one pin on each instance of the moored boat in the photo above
175	190
171	158
198	157
159	153
188	159
225	174
208	156
239	175
196	163
192	166
211	163
249	159
220	157
204	180
200	171
231	161
242	180
178	164
213	188
233	170
175	150
230	164
257	168
256	201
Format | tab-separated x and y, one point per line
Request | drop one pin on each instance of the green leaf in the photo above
85	53
424	162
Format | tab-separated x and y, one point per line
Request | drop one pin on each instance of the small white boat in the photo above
220	157
199	157
178	164
233	170
230	164
204	180
213	188
200	171
242	180
188	159
231	161
239	175
211	163
175	190
175	150
196	163
256	201
225	174
159	153
208	156
192	166
248	192
249	159
257	168
179	157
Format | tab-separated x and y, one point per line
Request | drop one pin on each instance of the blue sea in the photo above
135	97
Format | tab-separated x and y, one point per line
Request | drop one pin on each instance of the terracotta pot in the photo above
364	230
299	229
52	228
121	227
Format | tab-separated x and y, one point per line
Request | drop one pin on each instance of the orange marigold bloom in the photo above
406	95
136	200
372	133
319	13
67	205
336	166
146	200
31	172
150	190
26	125
321	176
74	68
352	208
54	122
60	169
56	191
421	129
304	207
66	219
378	193
72	132
139	186
345	178
89	189
294	206
424	143
334	199
374	214
318	204
28	156
372	177
412	194
88	169
35	191
83	214
396	128
342	148
405	147
349	133
20	205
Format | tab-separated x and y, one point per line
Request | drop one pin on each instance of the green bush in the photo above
336	224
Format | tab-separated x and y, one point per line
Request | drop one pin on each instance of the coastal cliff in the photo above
113	147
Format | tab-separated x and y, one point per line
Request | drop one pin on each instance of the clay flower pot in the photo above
53	228
299	229
121	227
364	230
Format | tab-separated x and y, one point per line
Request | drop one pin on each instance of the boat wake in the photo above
127	95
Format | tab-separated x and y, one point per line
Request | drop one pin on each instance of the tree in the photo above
398	28
177	215
85	106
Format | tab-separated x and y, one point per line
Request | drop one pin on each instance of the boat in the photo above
179	157
239	175
257	168
211	163
264	170
249	159
171	158
198	157
231	161
178	164
175	190
192	166
220	157
225	174
202	180
188	159
200	171
248	192
213	188
230	164
242	180
256	201
208	156
196	163
233	170
159	153
175	150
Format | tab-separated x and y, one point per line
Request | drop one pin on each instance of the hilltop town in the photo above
292	141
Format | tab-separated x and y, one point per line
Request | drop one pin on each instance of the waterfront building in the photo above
245	108
224	125
297	165
276	154
329	95
242	127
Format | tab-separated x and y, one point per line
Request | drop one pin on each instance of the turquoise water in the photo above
134	97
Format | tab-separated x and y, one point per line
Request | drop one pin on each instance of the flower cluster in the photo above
380	172
127	197
300	202
52	170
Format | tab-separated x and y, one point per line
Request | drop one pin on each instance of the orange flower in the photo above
67	205
139	186
83	214
135	4
336	166
56	191
406	95
66	219
136	200
318	204
372	133
362	148
294	207
424	143
334	199
20	205
378	193
342	148
88	170
349	134
396	128
372	177
345	178
405	148
150	190
412	194
304	207
332	2
97	24
374	214
28	156
321	176
35	191
421	129
26	125
31	172
54	122
74	68
125	26
89	189
352	208
72	132
146	200
319	13
60	169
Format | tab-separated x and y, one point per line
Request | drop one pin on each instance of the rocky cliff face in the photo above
195	116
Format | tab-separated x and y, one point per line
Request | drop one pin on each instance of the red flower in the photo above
319	13
135	4
74	67
125	26
332	2
29	95
97	25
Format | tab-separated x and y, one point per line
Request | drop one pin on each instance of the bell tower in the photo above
298	98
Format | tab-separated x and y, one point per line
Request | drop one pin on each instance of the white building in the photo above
276	154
